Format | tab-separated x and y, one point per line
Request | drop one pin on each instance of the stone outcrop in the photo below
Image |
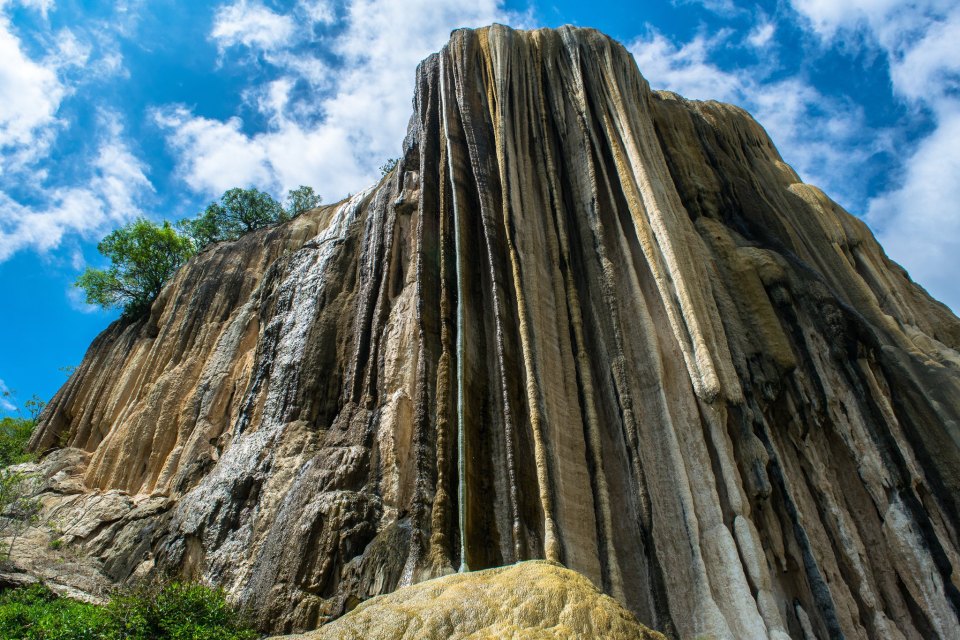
526	601
580	321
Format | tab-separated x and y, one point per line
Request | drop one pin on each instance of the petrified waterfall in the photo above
580	321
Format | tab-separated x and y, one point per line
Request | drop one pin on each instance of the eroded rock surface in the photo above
580	321
533	600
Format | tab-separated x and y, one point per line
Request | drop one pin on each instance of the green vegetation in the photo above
176	611
144	255
301	199
18	509
14	435
240	211
388	166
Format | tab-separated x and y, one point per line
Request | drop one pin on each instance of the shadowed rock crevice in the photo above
581	321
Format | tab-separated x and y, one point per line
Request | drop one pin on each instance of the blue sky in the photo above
113	110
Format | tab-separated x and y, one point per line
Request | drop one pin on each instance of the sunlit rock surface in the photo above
580	321
533	600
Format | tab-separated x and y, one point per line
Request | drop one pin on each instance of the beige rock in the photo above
526	601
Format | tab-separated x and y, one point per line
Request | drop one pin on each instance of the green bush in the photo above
15	432
143	256
35	613
240	211
14	435
177	611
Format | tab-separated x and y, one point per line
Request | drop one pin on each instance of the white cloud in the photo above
251	25
719	7
5	403
828	16
320	11
918	219
41	6
214	155
825	139
70	51
30	95
762	34
686	69
335	140
77	301
108	197
918	223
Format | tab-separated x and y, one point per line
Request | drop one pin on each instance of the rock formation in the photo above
533	600
580	321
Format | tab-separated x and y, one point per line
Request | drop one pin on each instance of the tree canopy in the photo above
143	256
240	211
301	199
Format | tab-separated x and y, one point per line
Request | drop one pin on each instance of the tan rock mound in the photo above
535	599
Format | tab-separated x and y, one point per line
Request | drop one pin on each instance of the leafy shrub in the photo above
240	211
15	432
301	199
35	613
388	166
14	435
18	508
177	611
143	256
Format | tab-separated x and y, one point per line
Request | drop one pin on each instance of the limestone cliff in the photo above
580	321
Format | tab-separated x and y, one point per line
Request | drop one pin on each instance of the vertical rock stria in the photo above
580	321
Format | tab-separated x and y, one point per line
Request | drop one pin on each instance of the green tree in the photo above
301	199
18	508
143	256
15	432
388	166
238	211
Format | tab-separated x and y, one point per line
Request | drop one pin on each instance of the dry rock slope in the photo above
581	321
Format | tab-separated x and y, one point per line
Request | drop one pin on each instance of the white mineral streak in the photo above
923	580
250	452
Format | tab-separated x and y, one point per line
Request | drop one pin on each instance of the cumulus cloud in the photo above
109	196
253	25
35	213
918	219
686	69
356	114
762	34
32	93
918	222
824	138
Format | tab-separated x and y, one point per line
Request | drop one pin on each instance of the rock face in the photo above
533	600
580	321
